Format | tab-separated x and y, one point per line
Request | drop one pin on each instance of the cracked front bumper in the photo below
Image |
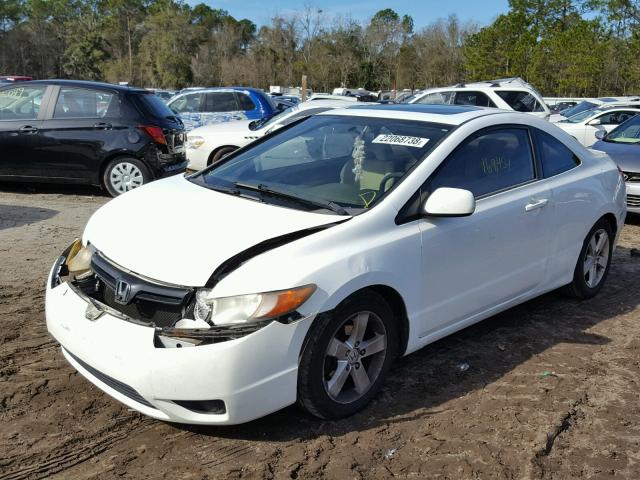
253	375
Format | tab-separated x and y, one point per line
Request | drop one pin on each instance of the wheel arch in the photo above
611	218
216	150
396	303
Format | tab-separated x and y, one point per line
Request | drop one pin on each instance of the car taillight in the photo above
155	133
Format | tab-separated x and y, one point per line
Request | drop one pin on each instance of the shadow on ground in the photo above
52	188
12	216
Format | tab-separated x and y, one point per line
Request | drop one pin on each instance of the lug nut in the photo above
362	352
357	365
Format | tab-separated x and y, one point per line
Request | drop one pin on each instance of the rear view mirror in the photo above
450	202
600	134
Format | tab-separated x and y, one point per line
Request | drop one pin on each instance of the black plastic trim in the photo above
117	385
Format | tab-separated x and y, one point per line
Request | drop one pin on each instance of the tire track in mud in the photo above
72	452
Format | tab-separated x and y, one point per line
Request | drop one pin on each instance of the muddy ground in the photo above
552	390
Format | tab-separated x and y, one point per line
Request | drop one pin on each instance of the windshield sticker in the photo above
417	142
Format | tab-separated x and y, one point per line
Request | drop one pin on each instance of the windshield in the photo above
581	107
582	116
267	121
628	132
339	161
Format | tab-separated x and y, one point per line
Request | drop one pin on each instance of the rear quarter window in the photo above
151	105
555	156
520	101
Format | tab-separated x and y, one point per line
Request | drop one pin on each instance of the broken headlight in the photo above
249	308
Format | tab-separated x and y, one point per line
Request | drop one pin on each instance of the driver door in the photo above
21	113
473	265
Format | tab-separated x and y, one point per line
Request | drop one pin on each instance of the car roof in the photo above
218	89
447	114
86	84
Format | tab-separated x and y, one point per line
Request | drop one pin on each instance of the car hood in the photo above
177	232
237	126
626	156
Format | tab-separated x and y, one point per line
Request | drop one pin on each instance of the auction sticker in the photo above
417	142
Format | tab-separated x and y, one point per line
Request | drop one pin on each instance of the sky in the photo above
423	11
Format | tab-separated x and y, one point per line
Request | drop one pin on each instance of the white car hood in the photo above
238	126
177	232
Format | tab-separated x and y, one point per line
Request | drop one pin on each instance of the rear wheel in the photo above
123	174
220	154
593	263
347	357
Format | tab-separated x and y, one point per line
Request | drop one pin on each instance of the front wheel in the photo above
347	357
220	154
593	263
123	174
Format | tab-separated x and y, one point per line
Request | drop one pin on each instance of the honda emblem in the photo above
123	292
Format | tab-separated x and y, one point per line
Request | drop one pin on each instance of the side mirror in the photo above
450	202
595	121
600	134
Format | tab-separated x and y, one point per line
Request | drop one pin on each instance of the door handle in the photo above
535	204
28	129
103	126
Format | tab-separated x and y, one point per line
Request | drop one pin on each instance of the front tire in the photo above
593	263
220	154
123	174
347	356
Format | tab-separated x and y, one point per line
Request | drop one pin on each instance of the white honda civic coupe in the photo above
299	268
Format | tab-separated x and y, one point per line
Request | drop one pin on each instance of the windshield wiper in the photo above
334	207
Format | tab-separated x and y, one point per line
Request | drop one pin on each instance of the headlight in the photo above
194	141
249	308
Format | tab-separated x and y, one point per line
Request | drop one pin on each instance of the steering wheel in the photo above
383	183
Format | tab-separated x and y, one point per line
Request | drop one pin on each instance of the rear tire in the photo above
220	154
594	262
347	356
123	174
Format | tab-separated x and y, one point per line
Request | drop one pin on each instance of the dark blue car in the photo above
623	145
200	107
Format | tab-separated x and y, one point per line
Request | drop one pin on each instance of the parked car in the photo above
592	103
339	243
68	131
209	144
507	93
558	107
13	79
164	95
584	126
281	104
623	145
213	105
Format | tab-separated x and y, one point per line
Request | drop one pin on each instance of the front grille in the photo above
633	201
117	385
631	176
147	301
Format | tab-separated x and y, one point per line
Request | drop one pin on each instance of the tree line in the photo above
563	47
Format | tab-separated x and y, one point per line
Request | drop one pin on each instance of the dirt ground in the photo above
552	390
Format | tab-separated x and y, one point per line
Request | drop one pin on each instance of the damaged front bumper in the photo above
146	368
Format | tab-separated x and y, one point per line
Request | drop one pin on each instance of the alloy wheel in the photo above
355	357
596	258
125	176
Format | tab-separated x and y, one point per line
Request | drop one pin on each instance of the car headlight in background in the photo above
249	308
194	141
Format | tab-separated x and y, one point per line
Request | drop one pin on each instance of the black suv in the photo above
68	131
